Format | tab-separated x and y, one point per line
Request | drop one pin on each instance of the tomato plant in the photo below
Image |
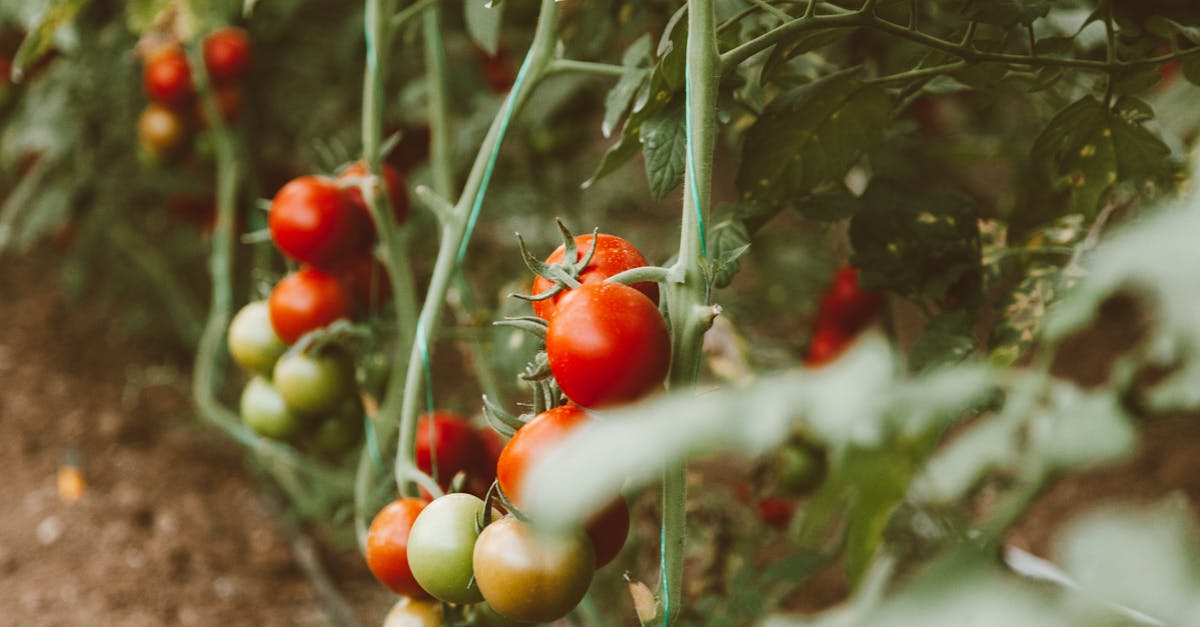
397	192
305	300
311	222
613	256
314	383
263	409
440	545
409	612
252	341
162	131
446	445
387	546
167	78
226	54
531	575
608	529
607	344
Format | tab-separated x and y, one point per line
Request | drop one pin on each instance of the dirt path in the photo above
171	529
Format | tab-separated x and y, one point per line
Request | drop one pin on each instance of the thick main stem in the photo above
455	232
687	293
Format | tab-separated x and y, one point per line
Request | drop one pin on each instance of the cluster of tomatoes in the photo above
845	310
166	124
606	344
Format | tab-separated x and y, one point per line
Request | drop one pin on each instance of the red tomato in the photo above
387	546
446	442
607	344
825	345
530	442
226	54
366	279
312	223
396	190
483	472
614	255
167	77
609	528
776	512
305	300
846	304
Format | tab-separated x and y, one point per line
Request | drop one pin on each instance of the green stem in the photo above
687	293
441	155
454	234
586	67
408	13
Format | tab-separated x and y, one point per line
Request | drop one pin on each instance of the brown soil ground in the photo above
171	529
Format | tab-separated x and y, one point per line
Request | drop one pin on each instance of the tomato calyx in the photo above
564	275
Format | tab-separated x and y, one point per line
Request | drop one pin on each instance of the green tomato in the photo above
532	575
314	384
338	432
264	411
252	341
440	546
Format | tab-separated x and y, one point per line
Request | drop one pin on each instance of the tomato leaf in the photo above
811	135
664	143
621	96
925	245
828	203
1191	69
41	36
1086	150
616	156
730	240
483	23
947	340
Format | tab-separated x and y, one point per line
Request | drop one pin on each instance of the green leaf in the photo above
483	23
1168	28
1024	309
41	36
1136	80
617	155
730	239
664	142
947	340
925	245
811	135
142	15
672	51
620	97
1191	69
806	42
1006	12
1087	149
828	203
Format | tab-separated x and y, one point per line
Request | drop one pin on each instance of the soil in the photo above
171	528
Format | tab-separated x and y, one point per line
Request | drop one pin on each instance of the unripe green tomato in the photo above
409	612
532	575
252	341
800	468
314	384
263	410
440	546
337	433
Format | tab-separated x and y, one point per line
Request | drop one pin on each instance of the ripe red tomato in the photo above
366	279
226	54
311	222
776	512
614	255
607	344
161	130
387	546
446	445
305	300
826	344
167	77
846	304
531	575
396	190
610	527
